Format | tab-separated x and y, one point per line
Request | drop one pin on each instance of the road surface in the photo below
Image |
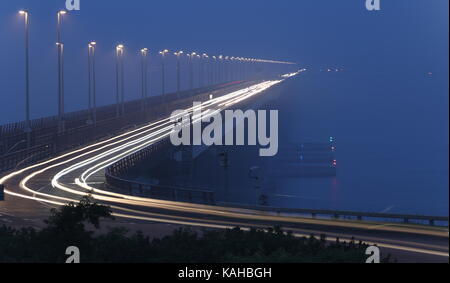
79	172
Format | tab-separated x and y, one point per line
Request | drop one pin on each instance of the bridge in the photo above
79	167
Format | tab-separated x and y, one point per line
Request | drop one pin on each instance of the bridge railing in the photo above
336	214
115	182
25	157
159	191
45	134
107	111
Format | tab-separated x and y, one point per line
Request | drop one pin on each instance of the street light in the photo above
144	52
232	68
92	86
199	69
27	78
227	68
204	69
191	69
214	70
60	47
178	54
221	71
119	79
163	56
59	17
238	68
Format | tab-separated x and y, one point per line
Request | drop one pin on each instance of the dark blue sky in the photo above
406	36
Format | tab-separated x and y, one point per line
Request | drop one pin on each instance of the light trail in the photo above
255	89
100	155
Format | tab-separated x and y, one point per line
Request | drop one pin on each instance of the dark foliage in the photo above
66	227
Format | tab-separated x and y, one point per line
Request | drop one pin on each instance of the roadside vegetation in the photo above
68	227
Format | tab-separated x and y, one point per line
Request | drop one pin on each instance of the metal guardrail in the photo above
45	135
160	191
25	157
336	214
114	181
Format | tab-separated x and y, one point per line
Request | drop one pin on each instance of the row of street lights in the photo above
219	71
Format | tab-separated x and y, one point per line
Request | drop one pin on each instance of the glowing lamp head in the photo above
23	12
62	12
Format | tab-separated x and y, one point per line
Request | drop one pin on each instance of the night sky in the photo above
405	36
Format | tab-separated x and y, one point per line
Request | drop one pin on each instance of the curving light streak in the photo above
135	140
24	181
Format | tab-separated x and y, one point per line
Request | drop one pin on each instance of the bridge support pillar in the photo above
2	192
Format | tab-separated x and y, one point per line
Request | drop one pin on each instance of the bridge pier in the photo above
2	192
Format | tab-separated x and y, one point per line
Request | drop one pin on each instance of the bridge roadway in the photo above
67	177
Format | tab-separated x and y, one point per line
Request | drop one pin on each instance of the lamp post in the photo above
60	47
204	69
178	54
144	53
221	71
191	69
214	70
232	68
227	68
92	100
199	69
163	70
243	68
119	79
27	78
239	68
